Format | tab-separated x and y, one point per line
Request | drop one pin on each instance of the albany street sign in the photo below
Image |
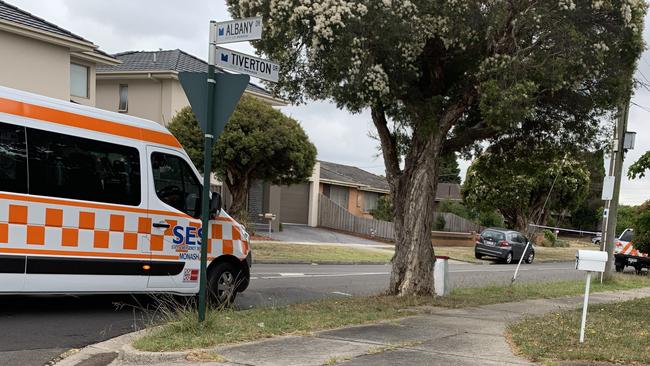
239	30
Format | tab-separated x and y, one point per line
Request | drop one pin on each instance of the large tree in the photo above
525	182
588	213
258	143
440	76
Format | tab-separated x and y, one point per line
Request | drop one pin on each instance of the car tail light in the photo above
504	243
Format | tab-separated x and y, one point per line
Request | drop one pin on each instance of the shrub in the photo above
440	223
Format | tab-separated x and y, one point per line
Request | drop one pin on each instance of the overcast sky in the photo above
123	25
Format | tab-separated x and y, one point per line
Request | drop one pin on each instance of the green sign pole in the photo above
213	103
207	169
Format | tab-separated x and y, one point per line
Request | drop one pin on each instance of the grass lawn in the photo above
617	333
268	252
229	326
542	254
296	253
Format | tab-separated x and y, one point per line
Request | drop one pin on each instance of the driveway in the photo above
307	234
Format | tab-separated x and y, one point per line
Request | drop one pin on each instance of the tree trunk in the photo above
415	193
239	192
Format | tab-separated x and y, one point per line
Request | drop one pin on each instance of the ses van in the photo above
93	201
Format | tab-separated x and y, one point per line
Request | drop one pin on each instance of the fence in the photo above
333	216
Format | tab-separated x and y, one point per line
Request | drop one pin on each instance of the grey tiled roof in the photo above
164	60
11	13
352	175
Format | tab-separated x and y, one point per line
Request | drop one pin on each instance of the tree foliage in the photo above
258	143
384	210
443	76
625	218
588	213
449	170
641	226
639	167
519	179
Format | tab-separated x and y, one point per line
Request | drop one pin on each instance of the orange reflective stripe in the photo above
625	248
102	206
85	254
85	122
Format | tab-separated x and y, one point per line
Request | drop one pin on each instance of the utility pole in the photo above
609	229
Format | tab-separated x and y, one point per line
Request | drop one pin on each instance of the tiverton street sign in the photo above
246	64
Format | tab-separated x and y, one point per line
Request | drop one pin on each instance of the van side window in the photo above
176	184
13	159
72	167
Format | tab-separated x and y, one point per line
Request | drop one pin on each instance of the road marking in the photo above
506	270
291	274
302	275
341	293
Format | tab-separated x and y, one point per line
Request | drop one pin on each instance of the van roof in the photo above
99	116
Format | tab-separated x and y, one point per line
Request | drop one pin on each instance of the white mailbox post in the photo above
590	261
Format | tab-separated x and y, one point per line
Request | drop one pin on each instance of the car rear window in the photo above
493	235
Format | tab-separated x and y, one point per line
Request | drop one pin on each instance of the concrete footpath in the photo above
469	336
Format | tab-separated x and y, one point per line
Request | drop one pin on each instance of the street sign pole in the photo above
207	169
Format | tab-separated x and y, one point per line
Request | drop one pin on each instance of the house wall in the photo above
34	66
145	97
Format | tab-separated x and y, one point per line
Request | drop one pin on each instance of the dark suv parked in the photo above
503	244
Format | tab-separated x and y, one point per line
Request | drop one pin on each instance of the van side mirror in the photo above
215	205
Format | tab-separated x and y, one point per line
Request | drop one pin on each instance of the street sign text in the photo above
239	30
245	64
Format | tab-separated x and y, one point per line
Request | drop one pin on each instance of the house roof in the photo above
13	14
164	60
347	175
351	175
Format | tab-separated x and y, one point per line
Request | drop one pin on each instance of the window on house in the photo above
370	200
340	195
124	98
79	80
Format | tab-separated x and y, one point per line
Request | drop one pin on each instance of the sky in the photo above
339	136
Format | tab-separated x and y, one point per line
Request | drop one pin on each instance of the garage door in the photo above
294	204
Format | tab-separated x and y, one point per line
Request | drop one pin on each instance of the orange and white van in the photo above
93	201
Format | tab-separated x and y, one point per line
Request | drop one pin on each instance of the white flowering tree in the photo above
441	76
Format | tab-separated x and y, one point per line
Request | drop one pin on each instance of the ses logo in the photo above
187	239
187	235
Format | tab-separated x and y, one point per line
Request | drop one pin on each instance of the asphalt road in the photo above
33	330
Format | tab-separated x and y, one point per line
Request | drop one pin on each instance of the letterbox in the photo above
591	260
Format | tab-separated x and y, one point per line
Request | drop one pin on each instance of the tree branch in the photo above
469	136
388	143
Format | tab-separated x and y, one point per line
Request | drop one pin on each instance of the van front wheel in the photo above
222	284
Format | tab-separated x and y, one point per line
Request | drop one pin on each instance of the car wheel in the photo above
597	243
530	258
478	256
222	284
508	259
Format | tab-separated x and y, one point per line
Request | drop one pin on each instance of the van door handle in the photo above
161	225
